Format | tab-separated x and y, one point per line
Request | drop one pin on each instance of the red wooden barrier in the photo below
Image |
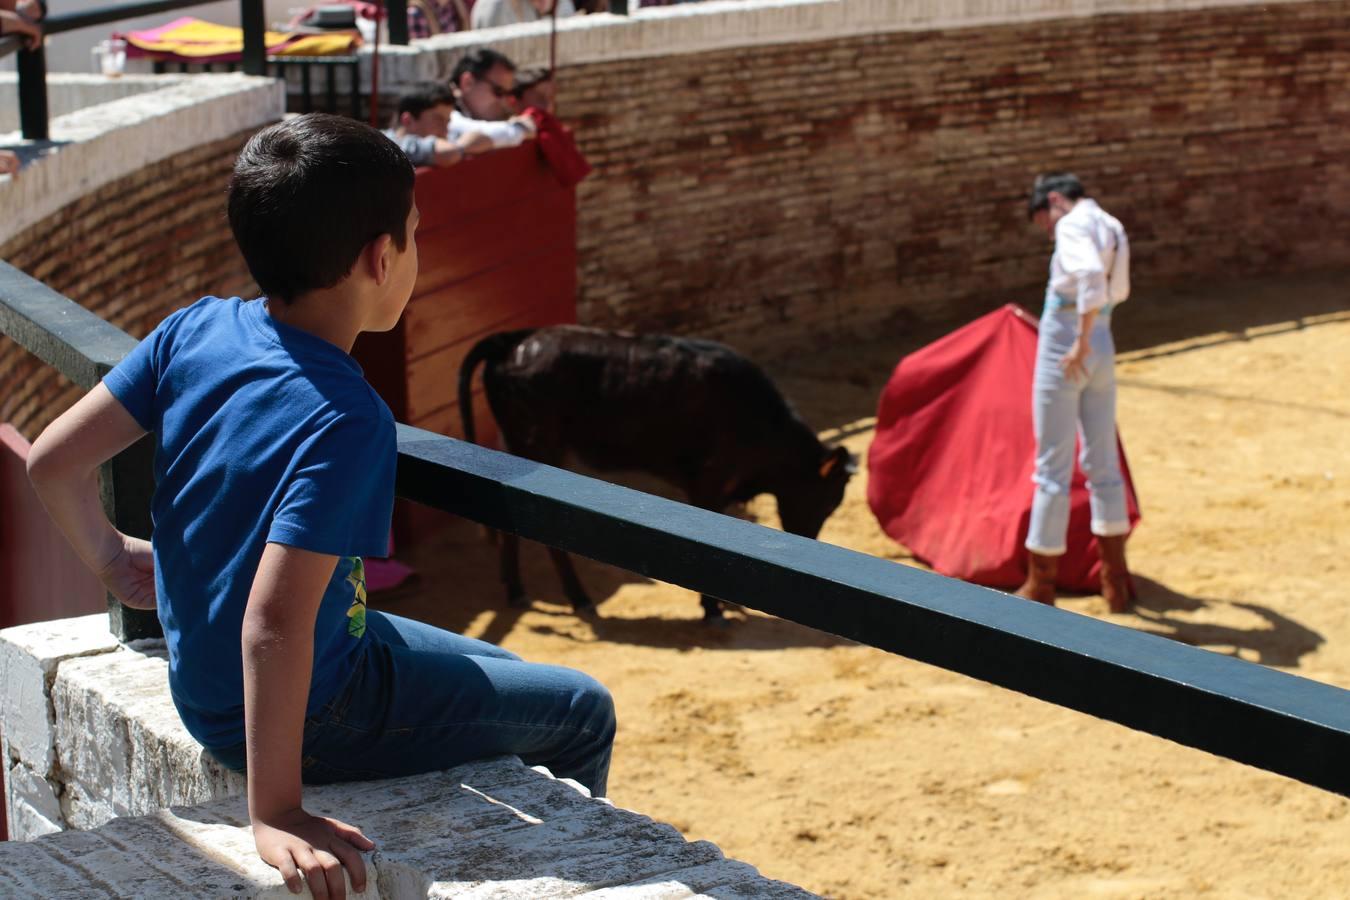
498	251
41	578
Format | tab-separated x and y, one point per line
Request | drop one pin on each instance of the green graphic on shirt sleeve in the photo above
356	615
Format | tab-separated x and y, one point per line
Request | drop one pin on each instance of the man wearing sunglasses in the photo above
483	81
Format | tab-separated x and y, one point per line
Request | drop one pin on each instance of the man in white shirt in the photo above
483	81
1074	388
495	13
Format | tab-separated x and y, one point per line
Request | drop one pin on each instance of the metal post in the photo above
127	483
398	21
255	52
32	67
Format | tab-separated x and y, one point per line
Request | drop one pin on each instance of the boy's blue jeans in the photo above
422	699
1064	408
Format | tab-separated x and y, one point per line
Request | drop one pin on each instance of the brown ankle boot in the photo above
1041	574
1117	585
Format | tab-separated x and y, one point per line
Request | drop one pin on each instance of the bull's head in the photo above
804	507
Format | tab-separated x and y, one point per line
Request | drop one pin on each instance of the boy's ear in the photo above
379	258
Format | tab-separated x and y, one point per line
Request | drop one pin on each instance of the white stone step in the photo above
488	830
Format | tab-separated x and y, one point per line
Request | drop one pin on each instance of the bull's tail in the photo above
491	349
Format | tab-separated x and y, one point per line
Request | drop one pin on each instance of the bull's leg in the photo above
712	610
509	560
707	496
571	584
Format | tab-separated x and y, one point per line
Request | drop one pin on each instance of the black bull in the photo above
692	413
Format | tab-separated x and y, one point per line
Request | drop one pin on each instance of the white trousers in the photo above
1063	409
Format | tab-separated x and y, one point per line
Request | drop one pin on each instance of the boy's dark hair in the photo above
422	97
478	62
528	78
308	194
1065	183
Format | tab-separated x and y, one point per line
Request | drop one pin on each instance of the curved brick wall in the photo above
132	251
837	170
768	194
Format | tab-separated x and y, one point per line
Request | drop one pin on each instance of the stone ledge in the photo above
105	142
91	733
489	829
29	658
117	753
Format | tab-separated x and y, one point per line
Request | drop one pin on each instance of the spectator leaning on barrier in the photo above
23	17
483	81
495	13
422	126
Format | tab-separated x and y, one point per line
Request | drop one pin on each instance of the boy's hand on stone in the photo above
130	575
313	849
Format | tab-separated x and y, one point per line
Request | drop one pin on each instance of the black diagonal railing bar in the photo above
83	347
76	342
1270	719
57	23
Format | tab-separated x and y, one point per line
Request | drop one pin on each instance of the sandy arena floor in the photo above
857	774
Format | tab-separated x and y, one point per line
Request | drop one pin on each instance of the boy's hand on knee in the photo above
313	849
130	574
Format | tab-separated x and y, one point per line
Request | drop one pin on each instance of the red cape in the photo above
949	471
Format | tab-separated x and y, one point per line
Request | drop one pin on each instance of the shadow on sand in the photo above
457	588
1282	642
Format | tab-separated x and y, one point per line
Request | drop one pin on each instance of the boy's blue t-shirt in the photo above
264	433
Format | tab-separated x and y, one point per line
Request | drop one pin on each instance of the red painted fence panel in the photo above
41	578
497	249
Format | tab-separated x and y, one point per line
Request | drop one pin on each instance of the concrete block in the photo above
29	658
121	744
85	807
490	829
33	804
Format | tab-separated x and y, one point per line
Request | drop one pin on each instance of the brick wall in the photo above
809	189
773	193
132	251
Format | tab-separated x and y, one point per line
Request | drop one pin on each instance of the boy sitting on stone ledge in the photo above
274	469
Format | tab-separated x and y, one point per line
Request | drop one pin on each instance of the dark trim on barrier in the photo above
1246	712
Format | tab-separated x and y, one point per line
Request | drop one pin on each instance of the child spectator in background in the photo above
422	126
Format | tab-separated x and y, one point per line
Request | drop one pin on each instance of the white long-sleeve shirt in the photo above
509	133
495	13
1091	263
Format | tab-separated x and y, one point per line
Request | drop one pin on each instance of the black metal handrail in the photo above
32	64
1246	712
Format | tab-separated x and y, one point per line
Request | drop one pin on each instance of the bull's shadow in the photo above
458	588
1281	642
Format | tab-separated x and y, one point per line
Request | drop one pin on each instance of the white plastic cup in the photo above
110	57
